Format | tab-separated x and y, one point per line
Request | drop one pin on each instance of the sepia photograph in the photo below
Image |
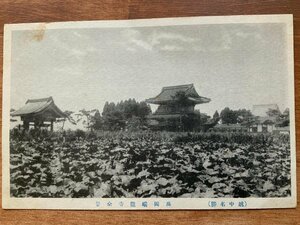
175	113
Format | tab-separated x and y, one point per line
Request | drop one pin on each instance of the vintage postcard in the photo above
173	113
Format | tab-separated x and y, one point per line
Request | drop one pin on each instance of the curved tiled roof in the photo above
34	106
167	94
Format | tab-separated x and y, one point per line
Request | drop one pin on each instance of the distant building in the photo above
264	122
39	113
170	110
261	110
282	130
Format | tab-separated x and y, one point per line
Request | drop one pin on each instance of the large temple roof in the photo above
37	106
167	95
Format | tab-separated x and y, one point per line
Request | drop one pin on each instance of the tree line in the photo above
132	115
245	117
128	114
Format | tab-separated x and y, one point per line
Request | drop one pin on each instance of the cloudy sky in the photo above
236	65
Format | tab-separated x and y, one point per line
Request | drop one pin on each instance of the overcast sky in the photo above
236	65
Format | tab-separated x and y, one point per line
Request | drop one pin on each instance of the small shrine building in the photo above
39	113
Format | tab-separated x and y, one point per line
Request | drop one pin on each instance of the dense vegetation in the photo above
148	164
124	115
120	155
131	115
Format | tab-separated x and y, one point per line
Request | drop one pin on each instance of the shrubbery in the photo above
176	137
239	138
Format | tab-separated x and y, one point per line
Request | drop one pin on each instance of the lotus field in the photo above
150	164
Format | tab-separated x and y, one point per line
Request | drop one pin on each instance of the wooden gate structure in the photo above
39	113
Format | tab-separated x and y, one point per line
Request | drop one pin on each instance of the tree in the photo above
143	110
108	108
96	121
203	117
283	119
244	115
228	116
130	108
120	116
274	113
286	112
69	118
134	124
209	122
87	117
249	120
216	115
243	112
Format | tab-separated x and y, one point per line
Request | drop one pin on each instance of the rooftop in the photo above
34	106
261	110
167	94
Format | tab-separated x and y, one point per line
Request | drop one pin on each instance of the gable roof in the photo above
167	94
261	110
35	106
